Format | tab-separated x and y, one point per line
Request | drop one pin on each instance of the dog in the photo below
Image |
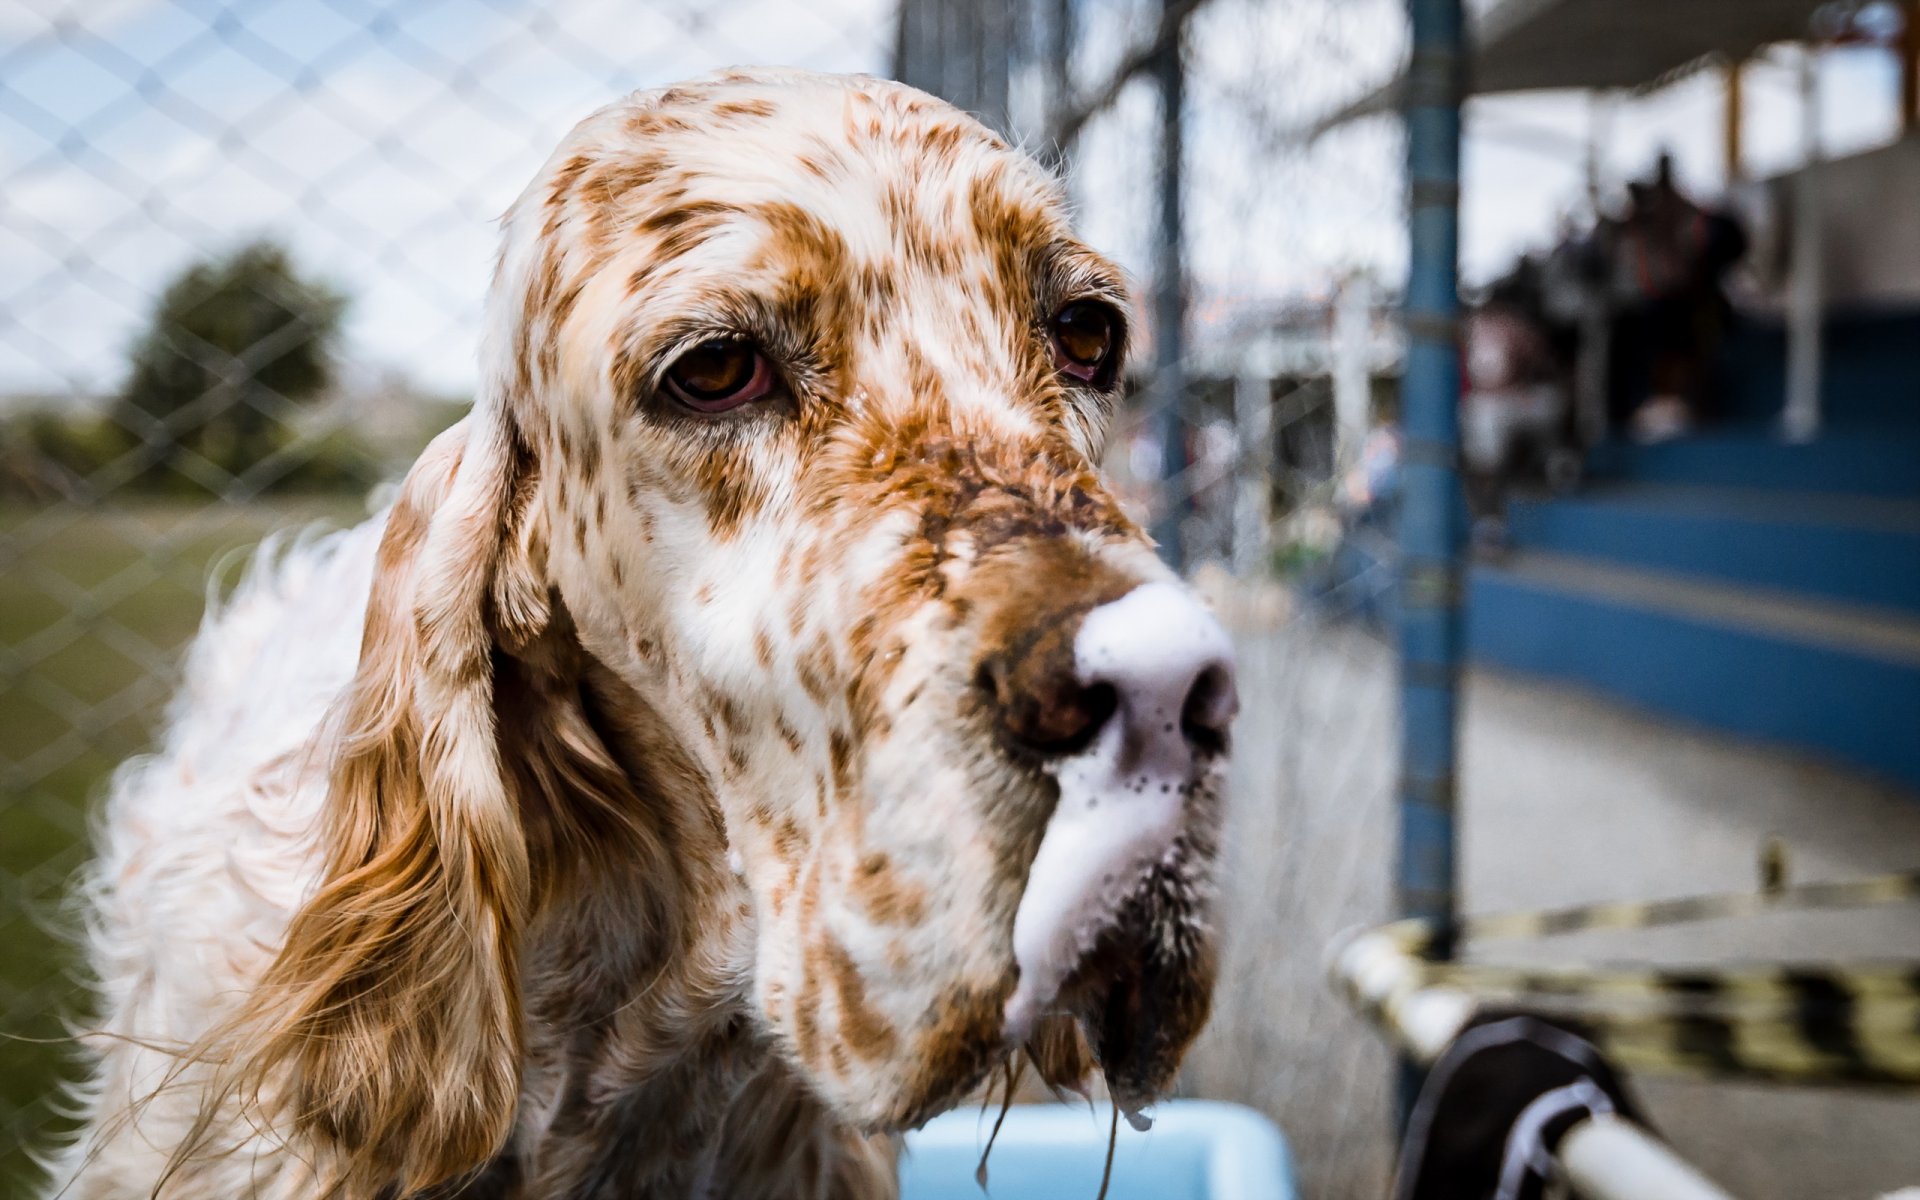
750	727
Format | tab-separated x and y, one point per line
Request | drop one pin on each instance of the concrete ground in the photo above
1565	799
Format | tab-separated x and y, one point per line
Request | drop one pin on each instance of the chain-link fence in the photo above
243	248
1268	293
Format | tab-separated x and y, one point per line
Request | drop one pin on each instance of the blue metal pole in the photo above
1432	516
1170	309
1432	509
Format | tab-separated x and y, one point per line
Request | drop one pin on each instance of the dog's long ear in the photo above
389	1024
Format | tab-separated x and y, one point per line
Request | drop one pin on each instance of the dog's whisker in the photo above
1113	1139
1011	1069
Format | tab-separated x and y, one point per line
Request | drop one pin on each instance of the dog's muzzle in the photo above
1137	713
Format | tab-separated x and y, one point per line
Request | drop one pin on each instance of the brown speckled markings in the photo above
695	763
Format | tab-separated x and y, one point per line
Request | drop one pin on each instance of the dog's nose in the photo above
1167	663
1153	661
1146	690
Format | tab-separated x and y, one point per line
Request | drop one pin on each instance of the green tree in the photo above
236	344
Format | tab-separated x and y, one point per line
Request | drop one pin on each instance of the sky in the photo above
380	140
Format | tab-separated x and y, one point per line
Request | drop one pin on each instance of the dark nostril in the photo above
1097	703
1209	709
1045	711
1152	659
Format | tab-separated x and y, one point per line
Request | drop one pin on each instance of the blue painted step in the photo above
1849	463
1853	549
1839	682
1870	378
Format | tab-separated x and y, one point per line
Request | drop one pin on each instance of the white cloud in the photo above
383	160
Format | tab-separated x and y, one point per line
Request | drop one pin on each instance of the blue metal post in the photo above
1170	309
1432	509
1432	520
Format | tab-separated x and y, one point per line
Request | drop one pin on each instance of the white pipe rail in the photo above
1605	1157
1608	1157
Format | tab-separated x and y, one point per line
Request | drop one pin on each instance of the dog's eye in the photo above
1085	335
720	375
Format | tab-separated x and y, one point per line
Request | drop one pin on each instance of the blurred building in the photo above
1758	574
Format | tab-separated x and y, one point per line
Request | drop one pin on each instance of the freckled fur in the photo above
430	888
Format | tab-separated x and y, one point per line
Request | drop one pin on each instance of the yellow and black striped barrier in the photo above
1802	1022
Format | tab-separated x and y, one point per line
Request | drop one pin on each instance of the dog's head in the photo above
795	389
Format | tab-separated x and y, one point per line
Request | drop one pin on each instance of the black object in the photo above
1494	1108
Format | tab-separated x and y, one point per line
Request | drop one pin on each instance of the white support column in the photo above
1600	108
1594	351
1800	420
1253	474
1352	373
1608	1157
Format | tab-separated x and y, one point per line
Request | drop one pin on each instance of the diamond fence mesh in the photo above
243	249
1277	399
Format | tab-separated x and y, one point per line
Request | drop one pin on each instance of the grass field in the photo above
95	609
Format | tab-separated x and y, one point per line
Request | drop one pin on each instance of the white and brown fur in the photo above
623	812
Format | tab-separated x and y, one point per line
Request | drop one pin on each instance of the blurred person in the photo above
1669	258
1357	578
1516	397
1215	453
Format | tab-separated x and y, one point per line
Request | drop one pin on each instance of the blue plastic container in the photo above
1196	1150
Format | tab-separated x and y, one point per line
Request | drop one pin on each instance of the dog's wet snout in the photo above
1159	670
1153	661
